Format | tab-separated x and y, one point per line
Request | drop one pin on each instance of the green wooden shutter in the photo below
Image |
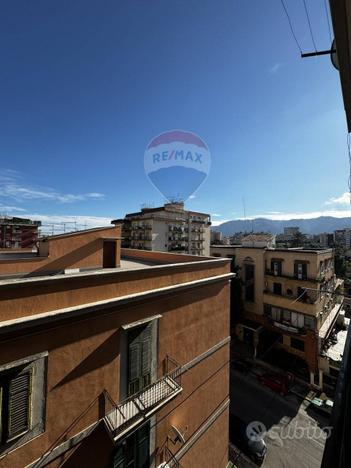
146	356
134	367
19	404
139	358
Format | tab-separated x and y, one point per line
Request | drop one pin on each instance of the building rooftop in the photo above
168	207
257	238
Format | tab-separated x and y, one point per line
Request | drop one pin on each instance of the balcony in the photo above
294	277
290	303
135	409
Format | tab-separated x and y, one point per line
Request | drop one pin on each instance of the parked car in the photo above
254	449
277	382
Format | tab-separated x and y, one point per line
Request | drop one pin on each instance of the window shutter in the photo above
19	404
146	351
134	361
146	357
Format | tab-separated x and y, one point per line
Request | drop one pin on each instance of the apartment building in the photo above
113	357
326	239
342	238
18	232
289	302
169	228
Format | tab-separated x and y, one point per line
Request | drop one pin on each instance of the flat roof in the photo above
127	264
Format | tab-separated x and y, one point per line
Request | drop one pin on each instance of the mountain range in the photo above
307	226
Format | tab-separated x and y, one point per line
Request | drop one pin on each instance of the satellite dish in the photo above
178	436
334	56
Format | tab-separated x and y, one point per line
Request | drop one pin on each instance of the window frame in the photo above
36	365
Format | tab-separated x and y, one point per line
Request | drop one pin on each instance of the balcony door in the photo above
134	451
139	358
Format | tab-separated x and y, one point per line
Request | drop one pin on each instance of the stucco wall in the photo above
79	250
84	359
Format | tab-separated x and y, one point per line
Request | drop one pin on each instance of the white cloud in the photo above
11	187
275	68
57	224
344	199
216	214
4	209
306	215
218	222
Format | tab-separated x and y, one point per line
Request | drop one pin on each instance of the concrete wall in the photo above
77	250
39	296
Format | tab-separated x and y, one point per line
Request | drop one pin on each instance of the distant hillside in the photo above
307	226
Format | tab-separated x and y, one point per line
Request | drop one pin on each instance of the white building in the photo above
169	228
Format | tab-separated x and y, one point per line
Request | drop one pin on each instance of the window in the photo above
134	451
139	358
310	322
297	320
267	310
300	270
277	288
286	316
15	401
301	294
297	344
249	270
276	314
276	267
22	401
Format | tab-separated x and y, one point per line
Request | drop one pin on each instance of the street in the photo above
294	432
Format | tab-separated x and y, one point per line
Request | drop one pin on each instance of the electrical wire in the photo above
328	21
291	27
309	25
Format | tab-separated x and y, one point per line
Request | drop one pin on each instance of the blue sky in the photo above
85	85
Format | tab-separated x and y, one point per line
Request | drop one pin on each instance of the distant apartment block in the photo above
169	228
216	237
113	357
258	240
326	239
342	238
18	233
289	303
291	232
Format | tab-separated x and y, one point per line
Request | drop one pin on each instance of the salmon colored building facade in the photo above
113	357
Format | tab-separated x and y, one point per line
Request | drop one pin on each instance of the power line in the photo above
291	27
328	21
309	25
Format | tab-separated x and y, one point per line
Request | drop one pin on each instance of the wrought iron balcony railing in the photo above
140	406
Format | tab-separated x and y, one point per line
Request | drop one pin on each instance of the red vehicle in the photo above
277	382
